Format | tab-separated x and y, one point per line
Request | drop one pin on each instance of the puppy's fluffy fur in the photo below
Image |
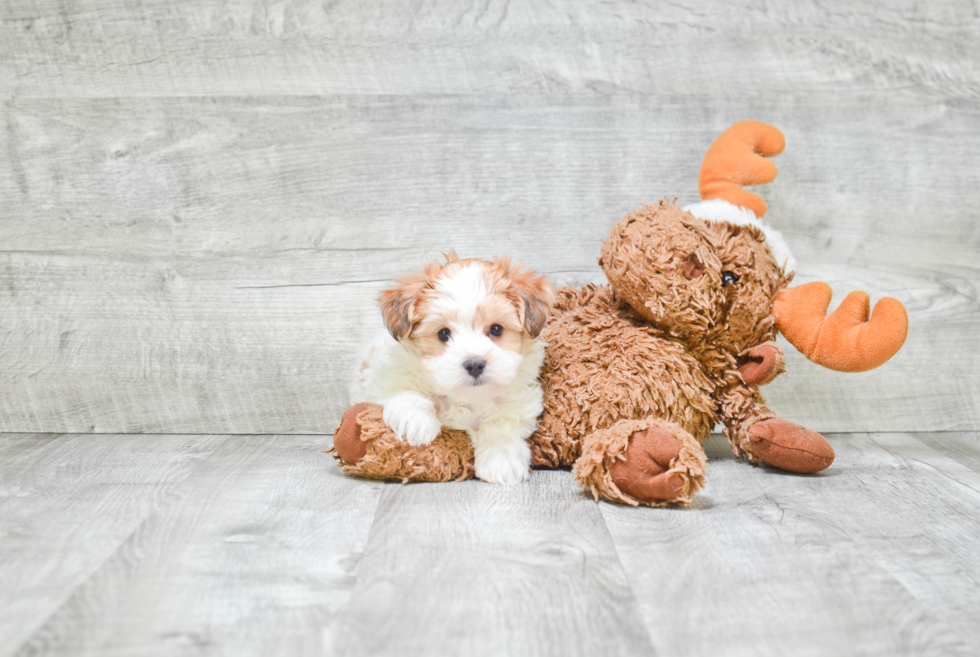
462	350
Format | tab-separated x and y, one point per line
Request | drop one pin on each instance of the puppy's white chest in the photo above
460	415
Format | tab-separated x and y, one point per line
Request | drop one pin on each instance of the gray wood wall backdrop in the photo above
199	201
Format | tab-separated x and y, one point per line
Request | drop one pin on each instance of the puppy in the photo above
462	350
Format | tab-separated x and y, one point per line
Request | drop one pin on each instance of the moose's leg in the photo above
652	462
364	446
763	438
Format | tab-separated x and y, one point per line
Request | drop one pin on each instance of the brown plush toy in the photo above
638	372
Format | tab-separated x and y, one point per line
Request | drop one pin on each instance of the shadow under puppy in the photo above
461	352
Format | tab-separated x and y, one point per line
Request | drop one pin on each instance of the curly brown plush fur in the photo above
605	363
638	372
364	446
663	343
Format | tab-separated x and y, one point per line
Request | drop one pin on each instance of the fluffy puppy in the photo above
462	350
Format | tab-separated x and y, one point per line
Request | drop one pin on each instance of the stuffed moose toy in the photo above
637	373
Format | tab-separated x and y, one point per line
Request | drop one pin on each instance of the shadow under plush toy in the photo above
638	372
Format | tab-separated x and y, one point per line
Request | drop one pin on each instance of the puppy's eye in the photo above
444	335
496	330
728	278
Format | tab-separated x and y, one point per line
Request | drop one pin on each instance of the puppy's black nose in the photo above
475	366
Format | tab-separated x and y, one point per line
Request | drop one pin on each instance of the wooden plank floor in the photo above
121	545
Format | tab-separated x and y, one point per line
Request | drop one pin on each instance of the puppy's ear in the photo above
533	296
398	305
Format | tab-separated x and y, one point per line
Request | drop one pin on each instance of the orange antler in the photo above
736	158
846	340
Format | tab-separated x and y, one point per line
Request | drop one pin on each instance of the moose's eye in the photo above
496	330
728	278
444	335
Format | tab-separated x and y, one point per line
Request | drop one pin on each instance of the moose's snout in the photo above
475	366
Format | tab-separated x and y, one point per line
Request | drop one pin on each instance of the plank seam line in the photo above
626	578
270	287
344	633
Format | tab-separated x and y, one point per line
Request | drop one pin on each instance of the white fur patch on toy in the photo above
721	210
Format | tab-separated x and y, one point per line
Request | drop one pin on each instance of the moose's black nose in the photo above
475	366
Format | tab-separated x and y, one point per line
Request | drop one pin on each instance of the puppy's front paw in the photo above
412	418
503	464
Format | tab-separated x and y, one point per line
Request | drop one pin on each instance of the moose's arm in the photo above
740	404
761	364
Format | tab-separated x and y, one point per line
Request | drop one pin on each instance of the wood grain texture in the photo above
964	448
869	178
201	200
765	48
873	556
255	554
239	545
197	344
67	503
237	303
478	569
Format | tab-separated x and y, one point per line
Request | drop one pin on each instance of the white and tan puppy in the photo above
462	350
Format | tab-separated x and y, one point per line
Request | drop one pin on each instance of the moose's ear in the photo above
533	296
398	305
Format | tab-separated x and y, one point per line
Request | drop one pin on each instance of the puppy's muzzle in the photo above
475	366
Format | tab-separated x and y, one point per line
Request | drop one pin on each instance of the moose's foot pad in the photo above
347	441
645	473
650	462
788	446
